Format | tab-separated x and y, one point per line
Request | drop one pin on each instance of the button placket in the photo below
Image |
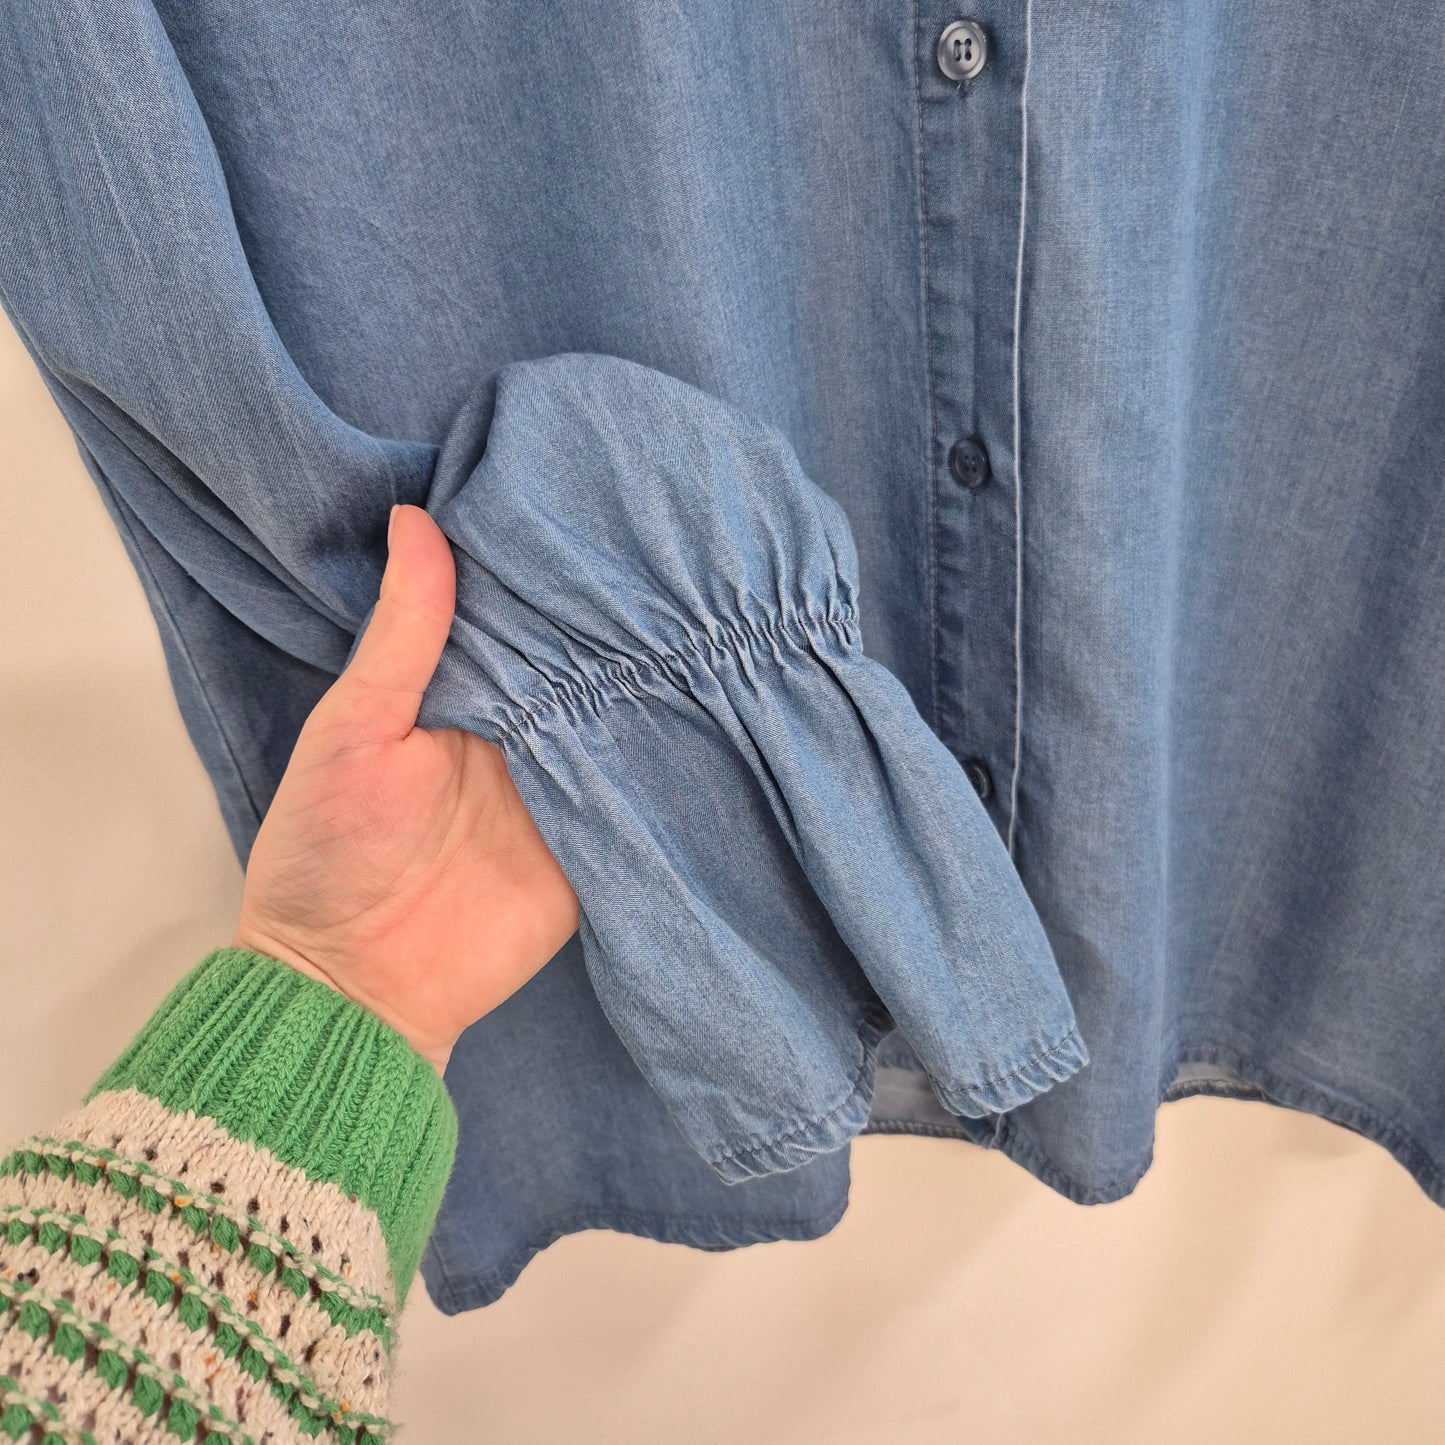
972	180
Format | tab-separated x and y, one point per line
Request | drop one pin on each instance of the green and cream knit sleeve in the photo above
215	1246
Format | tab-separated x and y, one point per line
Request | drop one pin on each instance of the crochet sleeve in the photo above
214	1248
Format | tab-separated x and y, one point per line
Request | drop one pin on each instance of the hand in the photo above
398	864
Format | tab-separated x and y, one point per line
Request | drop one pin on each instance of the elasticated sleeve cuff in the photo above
776	858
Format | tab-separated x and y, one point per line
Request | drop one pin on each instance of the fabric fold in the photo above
658	623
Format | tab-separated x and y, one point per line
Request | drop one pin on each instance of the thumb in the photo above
380	692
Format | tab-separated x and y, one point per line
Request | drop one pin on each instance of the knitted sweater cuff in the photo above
290	1065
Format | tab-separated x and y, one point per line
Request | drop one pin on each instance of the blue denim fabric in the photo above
659	624
1178	268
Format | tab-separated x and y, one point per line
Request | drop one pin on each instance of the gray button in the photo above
962	50
968	461
980	777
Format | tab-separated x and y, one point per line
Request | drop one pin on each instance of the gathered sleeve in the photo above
776	859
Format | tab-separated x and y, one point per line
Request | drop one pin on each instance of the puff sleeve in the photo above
776	859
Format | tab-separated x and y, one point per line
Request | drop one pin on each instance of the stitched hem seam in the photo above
704	1232
714	1234
997	1093
1262	1085
819	1135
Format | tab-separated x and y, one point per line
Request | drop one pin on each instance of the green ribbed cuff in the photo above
283	1061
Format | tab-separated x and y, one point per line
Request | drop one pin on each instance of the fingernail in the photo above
391	525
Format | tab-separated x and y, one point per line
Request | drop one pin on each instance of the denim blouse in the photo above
950	538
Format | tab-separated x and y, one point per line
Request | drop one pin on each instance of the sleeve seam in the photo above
163	604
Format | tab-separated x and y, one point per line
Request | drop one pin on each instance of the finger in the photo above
380	692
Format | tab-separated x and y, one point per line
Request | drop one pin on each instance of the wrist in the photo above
435	1051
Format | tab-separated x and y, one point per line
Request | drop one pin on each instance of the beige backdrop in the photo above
1274	1279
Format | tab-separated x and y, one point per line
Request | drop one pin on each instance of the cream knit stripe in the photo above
340	1372
130	1179
339	1364
39	1165
42	1362
140	1328
342	1235
103	1413
41	1412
